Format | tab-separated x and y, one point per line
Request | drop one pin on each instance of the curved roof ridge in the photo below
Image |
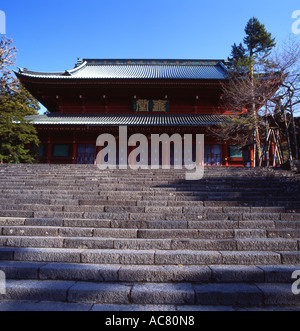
78	68
175	62
25	71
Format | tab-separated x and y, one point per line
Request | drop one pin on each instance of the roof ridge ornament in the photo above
22	70
79	62
67	73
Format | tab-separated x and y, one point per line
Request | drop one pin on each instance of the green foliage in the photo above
258	44
248	88
239	61
258	41
17	136
237	130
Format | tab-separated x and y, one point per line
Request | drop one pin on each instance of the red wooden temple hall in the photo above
147	96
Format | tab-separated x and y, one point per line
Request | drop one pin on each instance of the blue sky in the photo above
50	34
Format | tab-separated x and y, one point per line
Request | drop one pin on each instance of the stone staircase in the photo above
75	237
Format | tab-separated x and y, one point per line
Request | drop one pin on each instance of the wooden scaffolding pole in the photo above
273	137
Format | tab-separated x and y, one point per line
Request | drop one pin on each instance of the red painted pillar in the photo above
225	155
272	154
252	157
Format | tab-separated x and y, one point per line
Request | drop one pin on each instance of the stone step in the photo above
232	189
111	188
139	233
92	171
47	306
148	273
144	206
184	202
146	244
79	173
11	305
159	180
176	181
115	184
230	194
240	295
149	257
153	214
65	211
236	199
166	194
135	224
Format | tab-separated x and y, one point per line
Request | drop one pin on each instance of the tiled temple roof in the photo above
137	69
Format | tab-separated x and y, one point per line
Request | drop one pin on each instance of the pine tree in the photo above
247	63
258	44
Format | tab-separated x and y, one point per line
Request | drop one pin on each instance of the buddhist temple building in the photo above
147	96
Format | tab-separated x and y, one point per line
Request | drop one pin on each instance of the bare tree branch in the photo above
7	60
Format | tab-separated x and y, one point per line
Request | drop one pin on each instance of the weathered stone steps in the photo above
135	224
128	240
146	244
148	273
149	257
235	295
